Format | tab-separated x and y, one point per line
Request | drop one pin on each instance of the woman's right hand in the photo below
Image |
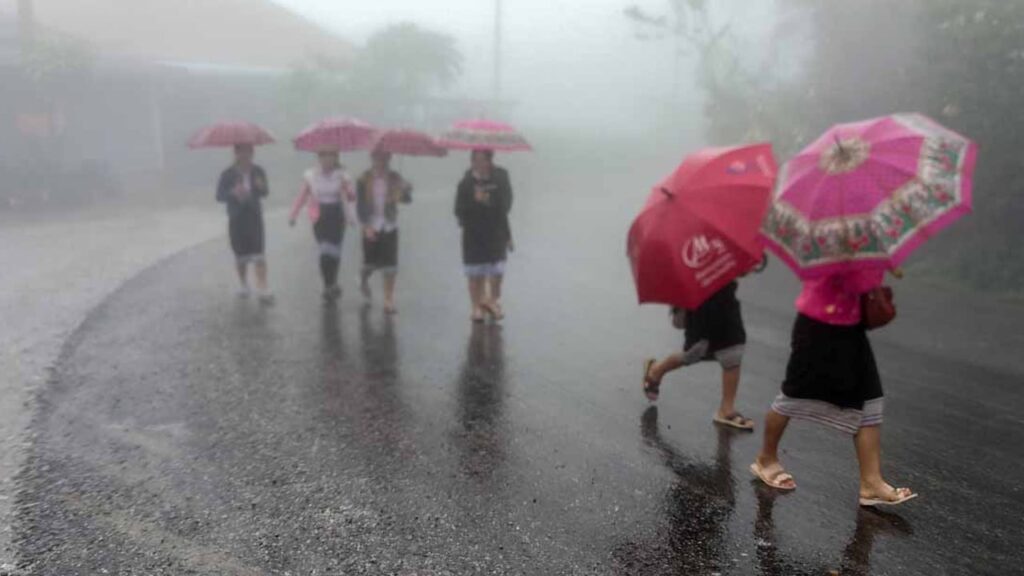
370	233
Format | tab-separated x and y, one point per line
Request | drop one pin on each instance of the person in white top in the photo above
379	192
329	194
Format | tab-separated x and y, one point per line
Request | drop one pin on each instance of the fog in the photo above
229	349
109	90
573	64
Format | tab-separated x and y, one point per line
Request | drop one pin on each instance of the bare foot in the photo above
494	310
651	385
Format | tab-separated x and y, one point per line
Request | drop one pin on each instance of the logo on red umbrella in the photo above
741	167
700	250
738	167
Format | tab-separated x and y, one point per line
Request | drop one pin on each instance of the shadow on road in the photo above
481	436
698	508
856	556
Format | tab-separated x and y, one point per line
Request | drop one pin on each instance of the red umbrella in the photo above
409	143
484	135
229	134
699	229
336	134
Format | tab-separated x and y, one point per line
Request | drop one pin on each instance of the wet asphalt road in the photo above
188	432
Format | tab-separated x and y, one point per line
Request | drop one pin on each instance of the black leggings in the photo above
329	231
329	269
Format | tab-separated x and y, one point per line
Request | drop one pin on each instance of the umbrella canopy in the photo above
409	143
699	229
337	135
865	195
230	134
484	135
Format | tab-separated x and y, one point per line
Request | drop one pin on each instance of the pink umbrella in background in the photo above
866	195
230	134
336	134
409	143
484	135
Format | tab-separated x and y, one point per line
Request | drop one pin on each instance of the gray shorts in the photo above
488	270
728	358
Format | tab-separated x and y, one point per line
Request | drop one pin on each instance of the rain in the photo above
511	287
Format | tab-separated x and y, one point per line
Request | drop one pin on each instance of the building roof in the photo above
244	33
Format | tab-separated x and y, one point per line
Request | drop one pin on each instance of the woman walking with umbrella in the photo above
328	191
379	192
696	235
852	205
482	205
241	187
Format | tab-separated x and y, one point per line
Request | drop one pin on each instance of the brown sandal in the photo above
735	420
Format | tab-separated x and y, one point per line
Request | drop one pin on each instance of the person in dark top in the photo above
482	206
241	188
379	191
714	331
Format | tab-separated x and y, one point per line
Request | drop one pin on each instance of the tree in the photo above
403	64
398	68
959	61
688	25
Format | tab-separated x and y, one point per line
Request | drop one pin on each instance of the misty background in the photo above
99	96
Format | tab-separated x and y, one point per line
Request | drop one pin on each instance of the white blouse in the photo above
333	188
329	188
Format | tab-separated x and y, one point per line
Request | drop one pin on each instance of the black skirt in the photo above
834	364
718	321
330	226
382	252
485	244
245	230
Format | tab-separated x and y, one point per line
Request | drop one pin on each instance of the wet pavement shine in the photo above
186	431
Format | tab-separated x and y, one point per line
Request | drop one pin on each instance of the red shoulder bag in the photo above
877	307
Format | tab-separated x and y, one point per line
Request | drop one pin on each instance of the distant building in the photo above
244	33
132	79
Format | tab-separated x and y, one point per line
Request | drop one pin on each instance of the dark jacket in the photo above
486	233
399	192
260	189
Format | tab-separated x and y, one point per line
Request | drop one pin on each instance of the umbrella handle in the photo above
762	265
667	192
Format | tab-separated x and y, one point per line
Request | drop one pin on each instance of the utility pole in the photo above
498	32
26	25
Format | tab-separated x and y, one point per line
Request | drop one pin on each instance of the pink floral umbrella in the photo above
336	134
409	143
484	135
866	195
229	134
